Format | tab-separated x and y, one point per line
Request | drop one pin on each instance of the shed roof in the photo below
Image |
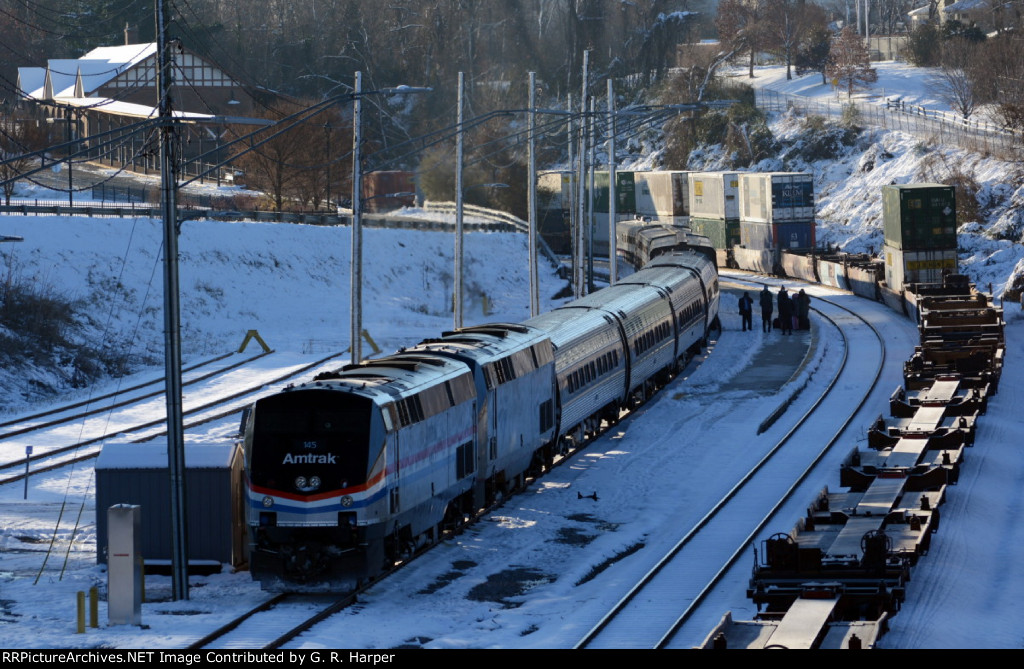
127	455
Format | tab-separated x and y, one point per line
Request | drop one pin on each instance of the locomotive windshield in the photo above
310	442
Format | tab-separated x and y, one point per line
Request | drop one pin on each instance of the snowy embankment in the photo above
848	186
291	283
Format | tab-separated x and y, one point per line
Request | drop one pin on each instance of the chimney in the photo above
131	35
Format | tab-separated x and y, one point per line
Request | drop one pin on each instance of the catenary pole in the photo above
532	198
172	317
612	260
458	204
581	171
356	261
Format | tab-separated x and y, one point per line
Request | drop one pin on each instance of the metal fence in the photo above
972	134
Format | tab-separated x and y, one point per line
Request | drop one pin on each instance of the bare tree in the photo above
998	77
954	83
891	15
286	161
849	62
19	138
741	27
786	25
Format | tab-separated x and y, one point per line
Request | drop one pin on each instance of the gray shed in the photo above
129	473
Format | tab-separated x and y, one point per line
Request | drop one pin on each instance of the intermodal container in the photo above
714	195
919	217
625	193
555	190
662	194
797	235
903	267
724	234
776	197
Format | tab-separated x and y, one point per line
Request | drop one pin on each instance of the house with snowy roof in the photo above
968	12
98	100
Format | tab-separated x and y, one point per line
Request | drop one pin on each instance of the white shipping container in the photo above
907	267
714	195
776	197
662	194
555	190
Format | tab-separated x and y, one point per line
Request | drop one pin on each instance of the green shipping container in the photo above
724	234
919	217
625	193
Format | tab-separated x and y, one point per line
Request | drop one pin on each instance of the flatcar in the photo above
363	466
836	579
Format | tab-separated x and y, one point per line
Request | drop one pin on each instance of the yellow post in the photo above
250	335
81	612
369	340
94	607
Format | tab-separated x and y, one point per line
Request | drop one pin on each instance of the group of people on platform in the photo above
794	312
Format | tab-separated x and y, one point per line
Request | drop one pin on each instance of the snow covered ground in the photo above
291	284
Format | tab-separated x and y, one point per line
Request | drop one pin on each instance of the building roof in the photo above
966	6
81	77
74	82
131	109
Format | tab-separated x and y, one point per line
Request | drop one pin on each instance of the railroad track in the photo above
68	445
274	619
266	621
651	613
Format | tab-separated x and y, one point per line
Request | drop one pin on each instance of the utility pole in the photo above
612	241
172	318
327	141
357	224
578	285
71	183
570	140
532	198
592	161
458	205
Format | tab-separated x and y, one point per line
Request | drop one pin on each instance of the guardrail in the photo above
515	223
972	134
98	209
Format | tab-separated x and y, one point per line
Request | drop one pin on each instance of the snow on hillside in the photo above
289	282
848	188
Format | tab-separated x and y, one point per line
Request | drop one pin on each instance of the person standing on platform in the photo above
785	312
747	311
766	310
803	310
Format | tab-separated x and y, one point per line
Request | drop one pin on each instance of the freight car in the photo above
363	466
837	578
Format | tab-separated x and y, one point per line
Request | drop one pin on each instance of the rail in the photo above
692	601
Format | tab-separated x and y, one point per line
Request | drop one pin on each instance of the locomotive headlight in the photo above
300	482
346	501
314	482
268	501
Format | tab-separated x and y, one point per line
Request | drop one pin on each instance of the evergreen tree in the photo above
813	53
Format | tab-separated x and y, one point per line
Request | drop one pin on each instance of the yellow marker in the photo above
250	335
369	340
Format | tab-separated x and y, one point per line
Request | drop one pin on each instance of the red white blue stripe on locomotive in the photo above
361	496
